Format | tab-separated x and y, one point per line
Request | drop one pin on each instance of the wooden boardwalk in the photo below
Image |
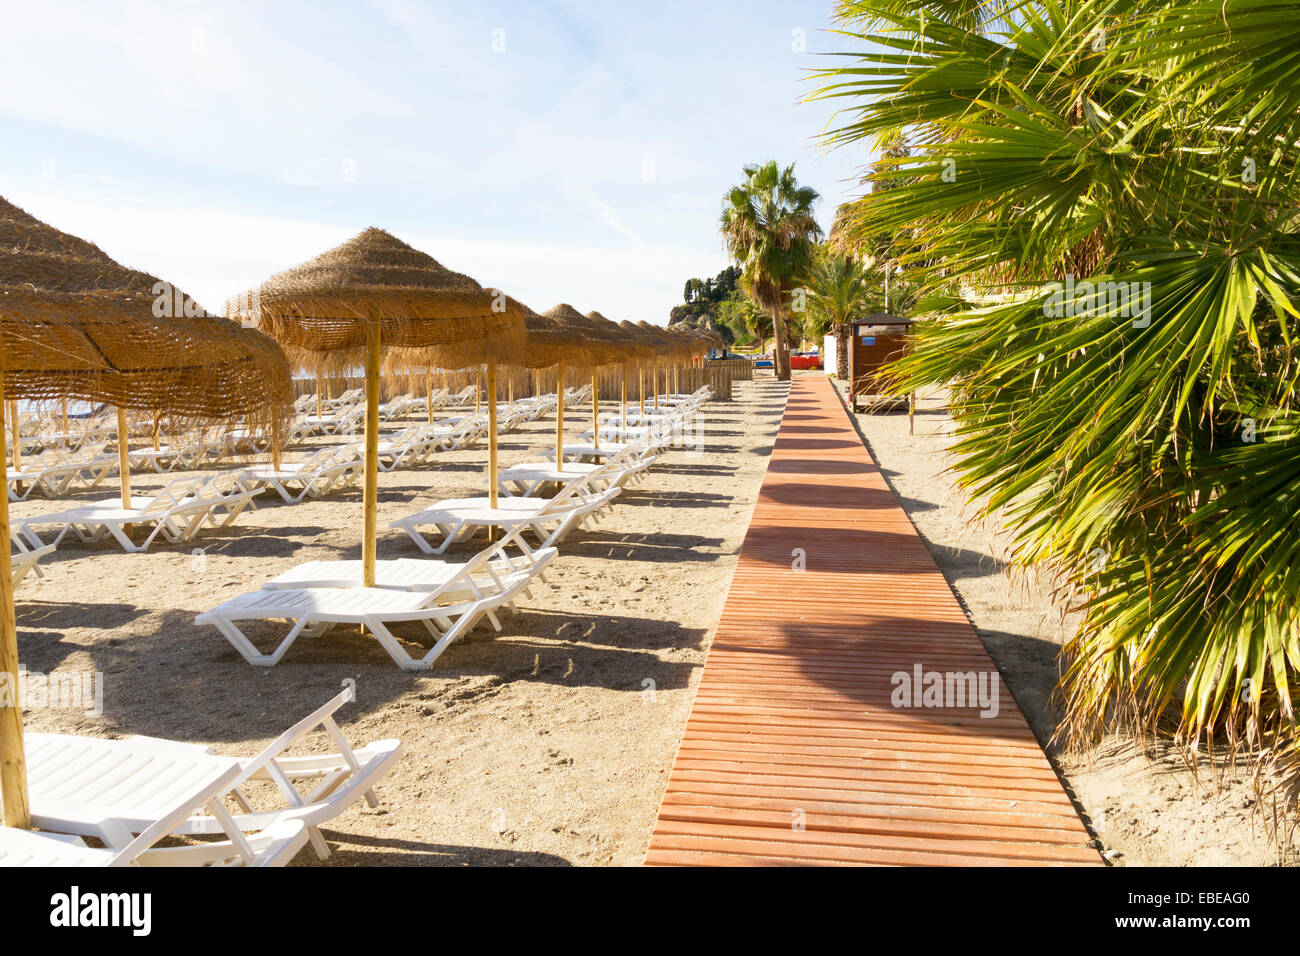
793	752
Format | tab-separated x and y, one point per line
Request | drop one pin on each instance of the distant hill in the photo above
701	298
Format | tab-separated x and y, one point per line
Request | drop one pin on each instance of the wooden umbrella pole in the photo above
478	392
275	441
559	418
640	385
17	432
492	433
320	397
13	765
157	429
370	532
11	414
623	397
595	408
428	388
123	457
656	378
510	378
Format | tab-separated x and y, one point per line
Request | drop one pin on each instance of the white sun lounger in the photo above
129	800
24	559
587	451
424	574
336	780
527	478
549	519
317	475
314	611
177	512
53	473
168	458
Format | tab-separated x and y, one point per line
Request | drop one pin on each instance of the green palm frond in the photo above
1121	177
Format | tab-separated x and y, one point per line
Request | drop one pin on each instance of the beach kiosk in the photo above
877	340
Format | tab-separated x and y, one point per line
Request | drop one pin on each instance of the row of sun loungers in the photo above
176	513
449	596
136	794
57	471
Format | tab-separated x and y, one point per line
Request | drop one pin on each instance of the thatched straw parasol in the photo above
606	346
629	351
648	346
695	342
664	347
376	291
599	352
554	342
75	325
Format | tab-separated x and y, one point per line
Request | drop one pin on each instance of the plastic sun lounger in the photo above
52	474
338	780
107	789
317	475
168	458
586	451
24	560
549	519
314	611
175	513
417	445
423	574
524	480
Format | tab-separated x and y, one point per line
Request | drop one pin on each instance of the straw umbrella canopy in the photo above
695	342
606	346
648	346
373	292
552	341
630	351
664	346
600	351
76	325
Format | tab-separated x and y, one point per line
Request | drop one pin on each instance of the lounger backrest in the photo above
576	490
173	493
321	717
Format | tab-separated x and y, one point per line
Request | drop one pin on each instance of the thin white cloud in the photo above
213	255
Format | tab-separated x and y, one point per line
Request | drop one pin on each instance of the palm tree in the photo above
768	228
1114	186
839	288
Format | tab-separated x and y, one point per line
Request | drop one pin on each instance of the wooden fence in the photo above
718	375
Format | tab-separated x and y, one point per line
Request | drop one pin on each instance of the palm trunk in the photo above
843	342
781	355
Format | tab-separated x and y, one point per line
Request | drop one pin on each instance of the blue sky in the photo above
563	150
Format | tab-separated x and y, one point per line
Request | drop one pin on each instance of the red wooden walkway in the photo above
793	752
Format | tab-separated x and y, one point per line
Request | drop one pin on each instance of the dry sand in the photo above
1144	804
547	743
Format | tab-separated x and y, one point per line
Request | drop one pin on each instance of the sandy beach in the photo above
546	743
